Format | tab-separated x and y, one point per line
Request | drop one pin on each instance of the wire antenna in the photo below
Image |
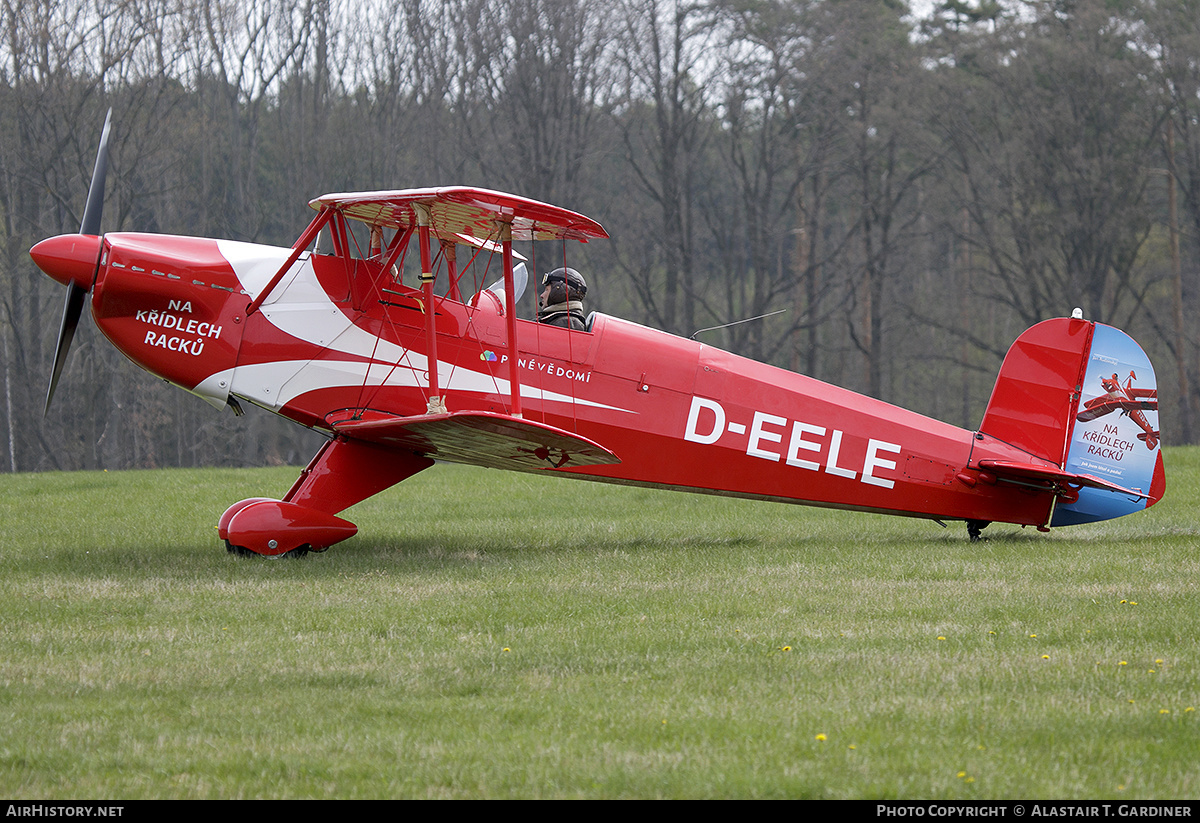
736	322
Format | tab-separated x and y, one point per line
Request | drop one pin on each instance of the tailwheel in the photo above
975	529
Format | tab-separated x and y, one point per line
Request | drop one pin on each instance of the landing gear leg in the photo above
975	529
343	473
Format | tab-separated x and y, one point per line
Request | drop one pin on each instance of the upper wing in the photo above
497	441
460	212
1144	399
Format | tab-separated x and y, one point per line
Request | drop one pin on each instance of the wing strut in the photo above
449	251
436	403
510	316
303	243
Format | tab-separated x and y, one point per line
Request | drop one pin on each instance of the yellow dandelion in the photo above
1158	661
1033	635
1132	602
1164	711
853	747
941	637
785	649
1123	602
1189	709
1123	663
962	774
507	649
969	780
1151	671
1045	657
822	738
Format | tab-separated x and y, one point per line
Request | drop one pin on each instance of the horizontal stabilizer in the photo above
1054	477
497	441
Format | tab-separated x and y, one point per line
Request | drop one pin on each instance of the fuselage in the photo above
338	334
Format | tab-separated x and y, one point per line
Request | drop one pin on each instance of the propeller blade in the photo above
76	293
72	310
95	199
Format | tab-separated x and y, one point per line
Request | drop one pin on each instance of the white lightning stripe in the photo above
301	308
298	377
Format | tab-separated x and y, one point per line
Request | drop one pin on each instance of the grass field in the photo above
499	635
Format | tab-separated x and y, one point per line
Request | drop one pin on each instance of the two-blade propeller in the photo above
74	260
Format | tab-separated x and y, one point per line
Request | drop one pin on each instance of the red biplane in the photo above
1128	401
400	375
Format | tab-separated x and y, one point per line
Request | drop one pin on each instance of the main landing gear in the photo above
275	528
341	474
241	551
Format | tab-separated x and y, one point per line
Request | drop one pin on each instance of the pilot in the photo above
560	301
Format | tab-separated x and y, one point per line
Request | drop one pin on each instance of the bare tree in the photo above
1172	41
662	111
526	94
886	153
1054	141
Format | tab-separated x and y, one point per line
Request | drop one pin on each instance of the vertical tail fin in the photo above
1083	396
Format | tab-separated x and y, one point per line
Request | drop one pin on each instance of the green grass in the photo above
499	635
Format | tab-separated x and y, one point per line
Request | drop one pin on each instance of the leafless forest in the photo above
905	192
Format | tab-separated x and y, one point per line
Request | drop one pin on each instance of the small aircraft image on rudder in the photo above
1129	401
398	376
